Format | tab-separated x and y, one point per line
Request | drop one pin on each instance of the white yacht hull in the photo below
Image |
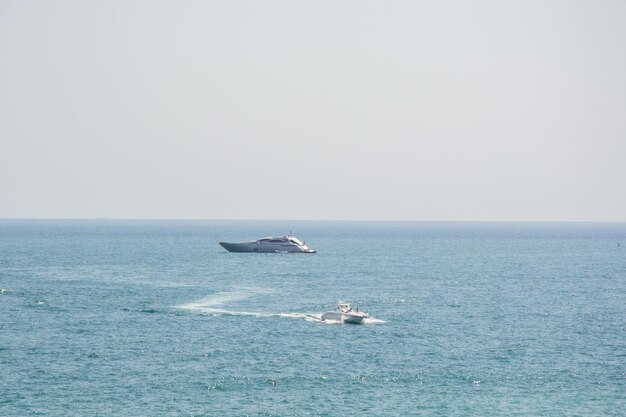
353	317
269	245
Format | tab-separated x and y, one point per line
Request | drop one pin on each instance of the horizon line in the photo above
304	220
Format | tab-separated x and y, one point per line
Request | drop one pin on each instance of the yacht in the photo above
345	314
283	244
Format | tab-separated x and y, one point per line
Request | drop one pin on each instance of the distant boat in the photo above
345	314
283	244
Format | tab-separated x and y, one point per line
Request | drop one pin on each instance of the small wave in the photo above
173	284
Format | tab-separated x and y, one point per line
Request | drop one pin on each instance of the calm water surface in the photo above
153	318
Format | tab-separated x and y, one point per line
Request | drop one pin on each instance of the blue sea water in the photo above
152	318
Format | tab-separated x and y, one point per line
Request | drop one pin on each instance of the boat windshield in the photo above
296	241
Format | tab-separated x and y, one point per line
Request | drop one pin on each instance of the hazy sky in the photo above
390	110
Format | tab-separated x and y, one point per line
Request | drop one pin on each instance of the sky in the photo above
323	110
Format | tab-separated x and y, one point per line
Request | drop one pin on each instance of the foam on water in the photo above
303	316
372	320
212	304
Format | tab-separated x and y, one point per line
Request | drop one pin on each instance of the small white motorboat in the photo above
283	244
344	313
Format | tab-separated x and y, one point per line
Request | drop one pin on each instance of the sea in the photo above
153	318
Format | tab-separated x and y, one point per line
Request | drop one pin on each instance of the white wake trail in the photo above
215	305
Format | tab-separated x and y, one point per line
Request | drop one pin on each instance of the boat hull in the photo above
263	248
353	318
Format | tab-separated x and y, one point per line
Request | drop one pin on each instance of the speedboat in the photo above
283	244
345	314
